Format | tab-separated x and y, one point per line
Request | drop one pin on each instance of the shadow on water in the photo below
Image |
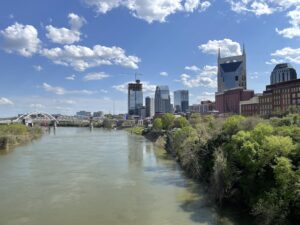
195	200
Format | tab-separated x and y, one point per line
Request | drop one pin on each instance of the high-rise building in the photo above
283	72
181	101
150	111
83	114
232	72
135	97
162	100
283	94
98	114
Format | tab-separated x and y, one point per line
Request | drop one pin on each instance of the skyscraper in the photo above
283	72
162	100
232	72
181	101
135	97
149	107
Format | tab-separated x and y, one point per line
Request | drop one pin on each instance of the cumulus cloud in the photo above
206	77
149	10
147	87
95	76
266	7
20	39
227	47
164	74
5	101
64	35
294	29
257	7
63	91
286	54
81	57
72	77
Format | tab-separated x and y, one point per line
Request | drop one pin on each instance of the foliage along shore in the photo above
251	163
17	134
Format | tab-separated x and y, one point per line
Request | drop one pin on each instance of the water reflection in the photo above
101	177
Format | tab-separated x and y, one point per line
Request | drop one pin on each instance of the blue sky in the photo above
60	57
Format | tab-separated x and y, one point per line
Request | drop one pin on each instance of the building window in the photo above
236	78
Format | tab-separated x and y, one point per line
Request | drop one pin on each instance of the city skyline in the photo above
66	58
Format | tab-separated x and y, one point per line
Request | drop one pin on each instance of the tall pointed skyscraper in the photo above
232	71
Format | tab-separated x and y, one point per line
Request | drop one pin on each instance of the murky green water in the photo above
78	177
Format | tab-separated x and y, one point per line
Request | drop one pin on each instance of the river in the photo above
78	177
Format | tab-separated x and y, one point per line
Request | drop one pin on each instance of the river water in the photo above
78	177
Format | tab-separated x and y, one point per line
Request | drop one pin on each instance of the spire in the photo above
244	50
219	53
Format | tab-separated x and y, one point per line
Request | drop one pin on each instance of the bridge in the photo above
36	117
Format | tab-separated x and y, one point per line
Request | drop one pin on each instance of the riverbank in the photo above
17	134
250	163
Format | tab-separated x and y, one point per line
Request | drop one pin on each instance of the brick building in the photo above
229	101
250	107
280	97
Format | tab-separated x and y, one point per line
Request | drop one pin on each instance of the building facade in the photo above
250	107
283	72
162	100
232	72
228	102
83	114
181	101
150	111
135	97
98	114
280	98
206	107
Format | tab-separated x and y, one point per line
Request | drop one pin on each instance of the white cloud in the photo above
289	32
227	47
193	68
257	7
5	101
72	77
64	35
206	77
103	6
147	87
149	10
294	29
63	91
206	96
81	57
261	8
164	74
38	68
192	5
20	39
95	76
37	106
286	54
76	22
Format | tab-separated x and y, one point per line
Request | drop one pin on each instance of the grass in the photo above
16	134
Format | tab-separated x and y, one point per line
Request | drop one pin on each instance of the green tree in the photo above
157	124
231	125
181	122
167	121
